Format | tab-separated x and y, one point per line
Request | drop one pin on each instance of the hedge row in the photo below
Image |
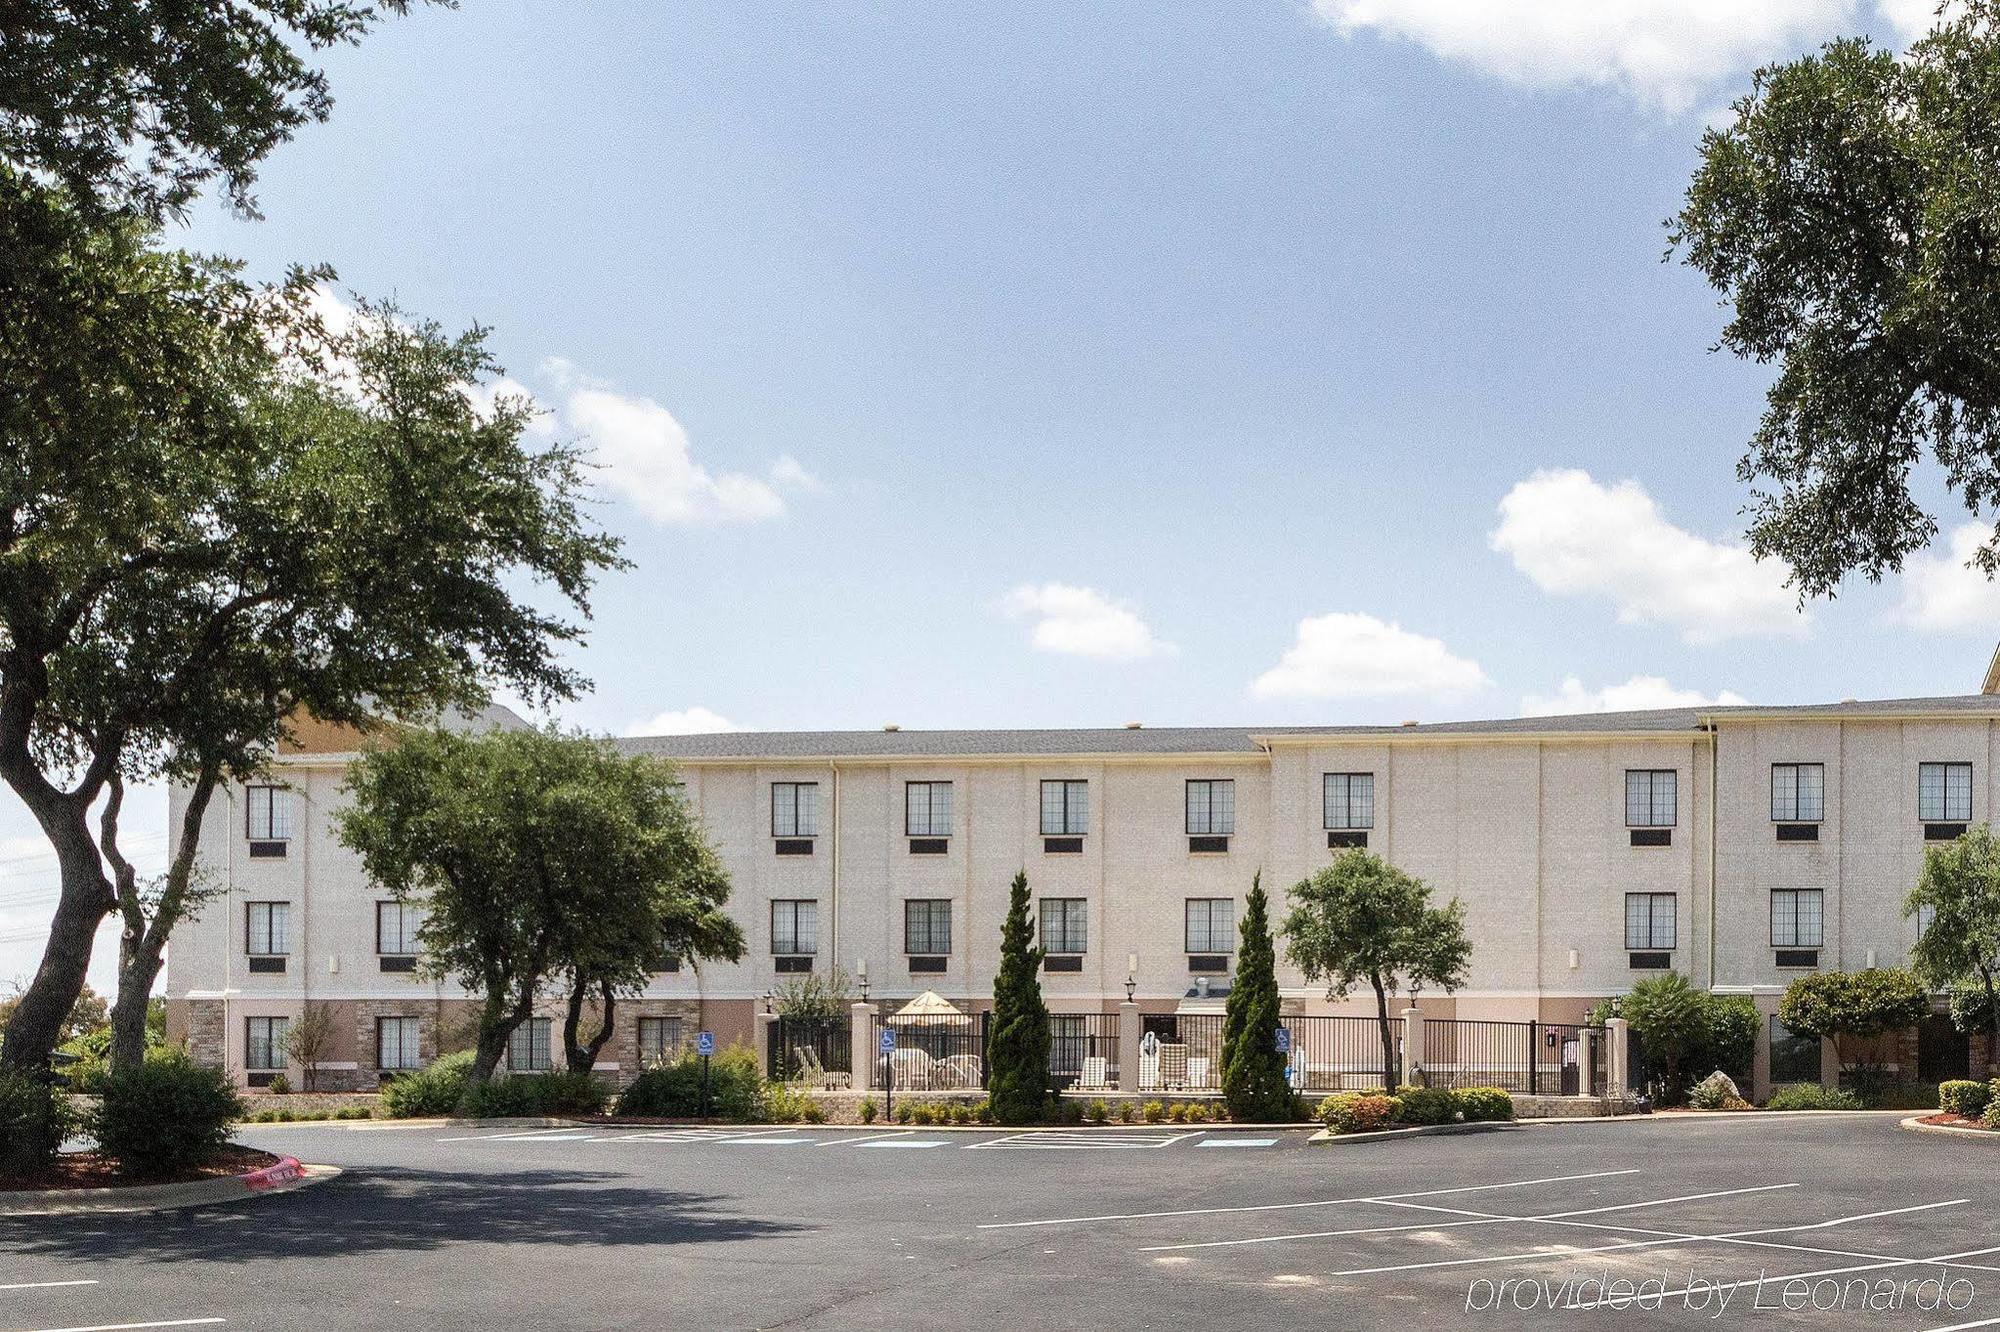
165	1116
1362	1112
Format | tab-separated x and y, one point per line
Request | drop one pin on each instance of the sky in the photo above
1048	364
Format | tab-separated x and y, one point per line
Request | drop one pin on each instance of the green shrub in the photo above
530	1095
1153	1111
1900	1096
1484	1105
431	1091
279	1085
1097	1112
1811	1096
1359	1112
1127	1112
1717	1091
353	1112
165	1116
35	1117
1177	1113
961	1113
1990	1117
869	1110
1961	1096
1428	1105
673	1090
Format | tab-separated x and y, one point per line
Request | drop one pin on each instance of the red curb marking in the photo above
286	1171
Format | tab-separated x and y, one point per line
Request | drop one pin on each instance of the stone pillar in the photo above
1128	1047
1586	1054
861	1047
1618	1057
1829	1063
1413	1044
765	1022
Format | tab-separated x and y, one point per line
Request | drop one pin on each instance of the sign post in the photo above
887	1043
1281	1040
704	1045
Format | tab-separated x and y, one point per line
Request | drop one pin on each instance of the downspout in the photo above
833	933
1714	741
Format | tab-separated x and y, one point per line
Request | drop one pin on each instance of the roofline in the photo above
1810	713
1420	736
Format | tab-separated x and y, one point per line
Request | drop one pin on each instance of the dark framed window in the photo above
399	1043
267	929
1650	797
1797	916
927	809
927	925
267	814
1347	800
794	809
1944	792
528	1048
794	926
1798	792
264	1040
1649	921
1065	808
1210	924
1211	807
1065	925
1794	1058
659	1040
396	926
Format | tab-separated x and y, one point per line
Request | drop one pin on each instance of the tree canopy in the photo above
1253	1071
1959	951
537	857
1830	1004
1848	215
1363	919
1018	1079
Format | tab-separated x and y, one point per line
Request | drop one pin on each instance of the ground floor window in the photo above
264	1043
659	1039
528	1047
398	1043
1794	1058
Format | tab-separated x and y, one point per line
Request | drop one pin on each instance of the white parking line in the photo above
1960	1327
1044	1140
906	1142
866	1137
1322	1202
1941	1260
44	1285
122	1327
1236	1142
764	1141
566	1134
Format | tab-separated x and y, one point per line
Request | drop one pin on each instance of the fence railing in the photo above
819	1052
1331	1054
1180	1052
933	1053
1534	1058
1083	1051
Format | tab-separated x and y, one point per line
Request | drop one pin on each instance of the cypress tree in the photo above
1018	1076
1253	1072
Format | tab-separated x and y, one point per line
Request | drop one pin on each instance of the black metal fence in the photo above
1331	1054
814	1051
1534	1058
1180	1052
1083	1051
933	1052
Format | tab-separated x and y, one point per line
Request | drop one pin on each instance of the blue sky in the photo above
1073	365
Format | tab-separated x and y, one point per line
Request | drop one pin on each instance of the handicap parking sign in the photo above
888	1040
1284	1040
704	1044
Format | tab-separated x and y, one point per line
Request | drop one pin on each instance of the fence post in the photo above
861	1046
766	1027
1413	1045
1586	1059
1128	1048
1618	1067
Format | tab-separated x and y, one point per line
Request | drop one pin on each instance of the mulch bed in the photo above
1955	1121
89	1170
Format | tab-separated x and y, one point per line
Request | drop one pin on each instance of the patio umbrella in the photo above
930	1008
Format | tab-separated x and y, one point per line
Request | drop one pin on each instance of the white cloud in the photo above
1942	594
1665	53
1082	622
1637	694
789	472
1346	655
643	455
1575	537
687	721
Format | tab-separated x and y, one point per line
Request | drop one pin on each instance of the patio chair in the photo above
959	1072
1197	1073
1173	1067
1096	1075
915	1069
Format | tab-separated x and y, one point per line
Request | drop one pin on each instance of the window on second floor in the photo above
927	925
794	809
1065	808
1210	925
396	926
1649	797
794	926
1649	922
1348	800
1065	927
1796	916
1798	792
267	929
1211	808
267	813
528	1049
265	1039
927	809
1944	792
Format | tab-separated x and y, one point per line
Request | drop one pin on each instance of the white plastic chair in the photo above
1096	1075
1197	1072
1173	1066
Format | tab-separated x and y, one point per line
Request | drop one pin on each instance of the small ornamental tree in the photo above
309	1040
1363	919
1860	1004
1670	1019
1960	951
1253	1072
1018	1082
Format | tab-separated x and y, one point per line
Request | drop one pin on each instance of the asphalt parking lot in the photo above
1827	1221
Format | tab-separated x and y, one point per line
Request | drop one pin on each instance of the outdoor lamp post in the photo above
861	977
1131	975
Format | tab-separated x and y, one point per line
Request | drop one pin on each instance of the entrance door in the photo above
1943	1052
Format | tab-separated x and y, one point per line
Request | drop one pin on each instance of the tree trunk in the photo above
144	942
1992	1022
496	1027
1388	1041
579	1055
35	1029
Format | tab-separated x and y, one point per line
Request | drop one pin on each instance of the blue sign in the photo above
1284	1039
704	1044
887	1040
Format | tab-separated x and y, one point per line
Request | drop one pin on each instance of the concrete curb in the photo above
1915	1124
1328	1137
283	1177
